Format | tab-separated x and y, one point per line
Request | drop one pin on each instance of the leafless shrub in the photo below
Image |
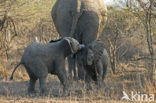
19	22
3	73
146	18
7	28
45	30
121	35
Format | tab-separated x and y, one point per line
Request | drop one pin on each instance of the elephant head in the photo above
93	52
74	44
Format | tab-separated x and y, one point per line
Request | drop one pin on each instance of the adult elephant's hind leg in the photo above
81	72
72	66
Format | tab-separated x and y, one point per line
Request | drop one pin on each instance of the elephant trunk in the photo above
81	46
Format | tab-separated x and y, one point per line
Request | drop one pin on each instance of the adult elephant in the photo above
83	20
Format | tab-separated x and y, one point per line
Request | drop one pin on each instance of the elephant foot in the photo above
32	93
89	87
81	78
31	90
44	92
101	84
65	94
66	91
75	78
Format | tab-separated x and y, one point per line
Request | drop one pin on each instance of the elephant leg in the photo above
62	75
75	74
43	85
32	81
63	80
88	27
99	72
88	82
87	78
99	68
81	72
72	66
31	87
41	71
104	71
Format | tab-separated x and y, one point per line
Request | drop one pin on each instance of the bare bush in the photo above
19	22
7	28
121	35
146	20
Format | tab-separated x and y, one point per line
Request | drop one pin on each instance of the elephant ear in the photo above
68	39
98	48
74	44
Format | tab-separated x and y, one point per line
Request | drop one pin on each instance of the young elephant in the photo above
40	59
94	60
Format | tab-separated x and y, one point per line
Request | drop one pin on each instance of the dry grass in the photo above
110	92
3	72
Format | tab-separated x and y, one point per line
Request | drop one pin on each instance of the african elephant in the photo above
40	59
83	20
94	60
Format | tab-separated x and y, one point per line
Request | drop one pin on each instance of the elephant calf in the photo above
94	60
40	59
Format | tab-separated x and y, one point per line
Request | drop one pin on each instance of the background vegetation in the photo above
124	37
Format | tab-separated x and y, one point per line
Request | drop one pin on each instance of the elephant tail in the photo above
11	77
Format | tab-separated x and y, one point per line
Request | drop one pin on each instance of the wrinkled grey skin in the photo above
40	59
83	20
94	59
